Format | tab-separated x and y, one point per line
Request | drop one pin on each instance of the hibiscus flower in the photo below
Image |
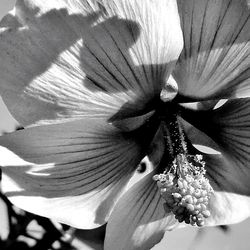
98	85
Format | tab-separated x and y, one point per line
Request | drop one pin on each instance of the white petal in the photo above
231	201
71	172
216	56
70	59
139	220
228	208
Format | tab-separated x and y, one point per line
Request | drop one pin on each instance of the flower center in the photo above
183	184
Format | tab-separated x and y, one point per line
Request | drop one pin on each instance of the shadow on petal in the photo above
60	64
73	172
228	131
215	60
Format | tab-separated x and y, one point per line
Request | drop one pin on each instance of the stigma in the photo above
183	185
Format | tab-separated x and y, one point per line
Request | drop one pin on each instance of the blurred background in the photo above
235	237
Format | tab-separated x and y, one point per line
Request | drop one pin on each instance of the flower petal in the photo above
231	200
70	59
72	172
139	220
216	55
228	129
228	208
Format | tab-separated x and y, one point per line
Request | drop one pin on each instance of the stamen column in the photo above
183	184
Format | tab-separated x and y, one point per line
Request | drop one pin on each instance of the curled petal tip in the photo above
169	90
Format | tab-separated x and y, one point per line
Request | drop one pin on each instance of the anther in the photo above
186	190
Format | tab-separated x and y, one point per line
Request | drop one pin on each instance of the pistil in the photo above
183	184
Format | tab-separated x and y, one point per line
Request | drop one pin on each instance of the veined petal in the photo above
139	220
72	172
216	56
70	59
228	170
